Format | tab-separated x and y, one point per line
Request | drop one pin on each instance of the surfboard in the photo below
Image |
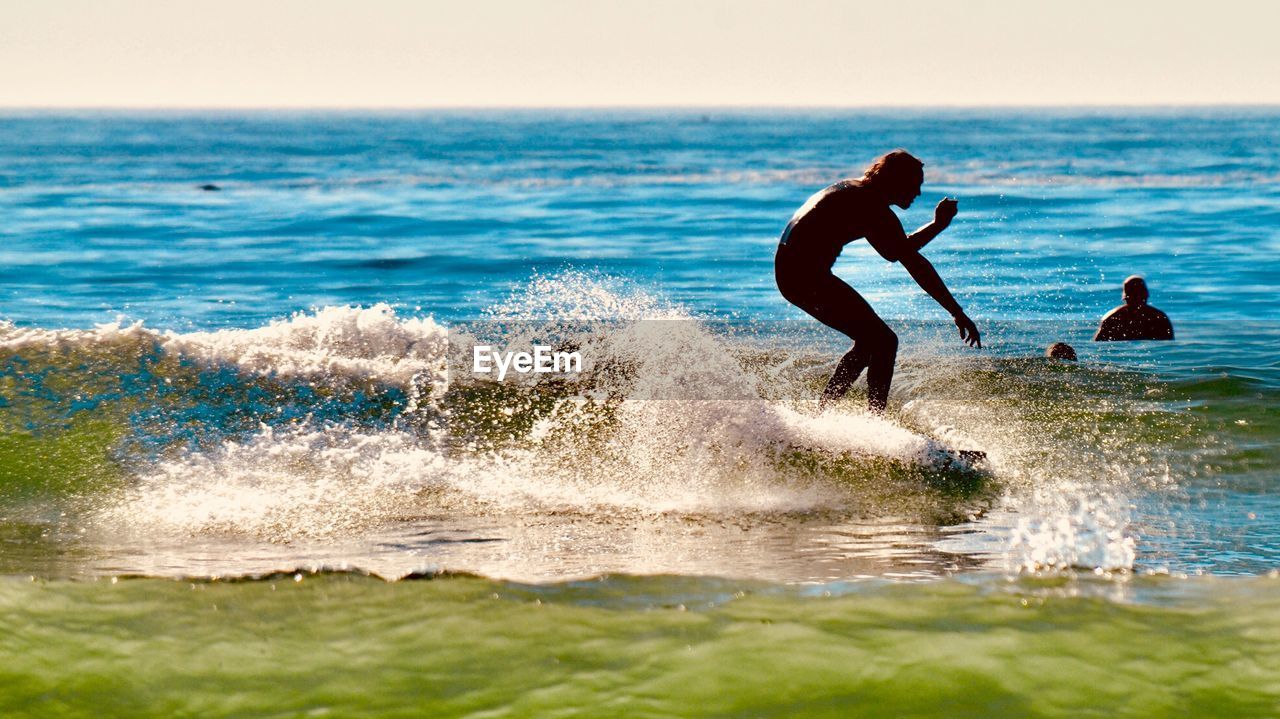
960	458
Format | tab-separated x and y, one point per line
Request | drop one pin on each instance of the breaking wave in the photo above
333	422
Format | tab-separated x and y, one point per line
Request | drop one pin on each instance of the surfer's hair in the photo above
893	166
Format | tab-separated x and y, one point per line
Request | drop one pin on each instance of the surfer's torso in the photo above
832	218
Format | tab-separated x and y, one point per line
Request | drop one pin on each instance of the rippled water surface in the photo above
231	348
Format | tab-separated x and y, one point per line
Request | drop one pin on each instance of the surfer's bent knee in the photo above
888	340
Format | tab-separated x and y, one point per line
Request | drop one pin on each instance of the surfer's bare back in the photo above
844	212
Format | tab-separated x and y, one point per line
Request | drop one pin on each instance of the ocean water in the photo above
244	470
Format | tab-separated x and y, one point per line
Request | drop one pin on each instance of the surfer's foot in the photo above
828	399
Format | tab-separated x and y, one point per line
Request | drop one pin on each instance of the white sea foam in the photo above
684	429
368	343
1065	526
281	485
1067	494
334	342
13	337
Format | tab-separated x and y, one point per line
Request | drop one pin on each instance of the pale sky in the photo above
429	53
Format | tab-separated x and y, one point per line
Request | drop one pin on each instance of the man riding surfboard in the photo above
837	215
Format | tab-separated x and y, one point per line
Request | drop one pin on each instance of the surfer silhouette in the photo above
819	230
1135	319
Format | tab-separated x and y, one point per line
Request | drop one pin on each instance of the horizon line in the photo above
654	106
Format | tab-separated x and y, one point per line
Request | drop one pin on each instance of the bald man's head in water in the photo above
1135	291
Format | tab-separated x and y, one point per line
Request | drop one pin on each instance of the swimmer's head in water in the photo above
1135	291
898	175
1062	351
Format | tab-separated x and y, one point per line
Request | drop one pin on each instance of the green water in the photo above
350	645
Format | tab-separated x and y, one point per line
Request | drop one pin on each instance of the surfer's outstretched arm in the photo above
927	277
942	216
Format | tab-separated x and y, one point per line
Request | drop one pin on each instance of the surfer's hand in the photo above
968	331
945	212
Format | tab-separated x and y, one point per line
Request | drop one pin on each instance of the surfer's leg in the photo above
875	349
880	372
847	372
840	307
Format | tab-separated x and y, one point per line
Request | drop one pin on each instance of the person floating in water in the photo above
819	230
1135	319
1061	351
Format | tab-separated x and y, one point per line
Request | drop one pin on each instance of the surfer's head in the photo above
1135	291
897	176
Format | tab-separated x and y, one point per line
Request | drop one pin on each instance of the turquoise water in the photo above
211	386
